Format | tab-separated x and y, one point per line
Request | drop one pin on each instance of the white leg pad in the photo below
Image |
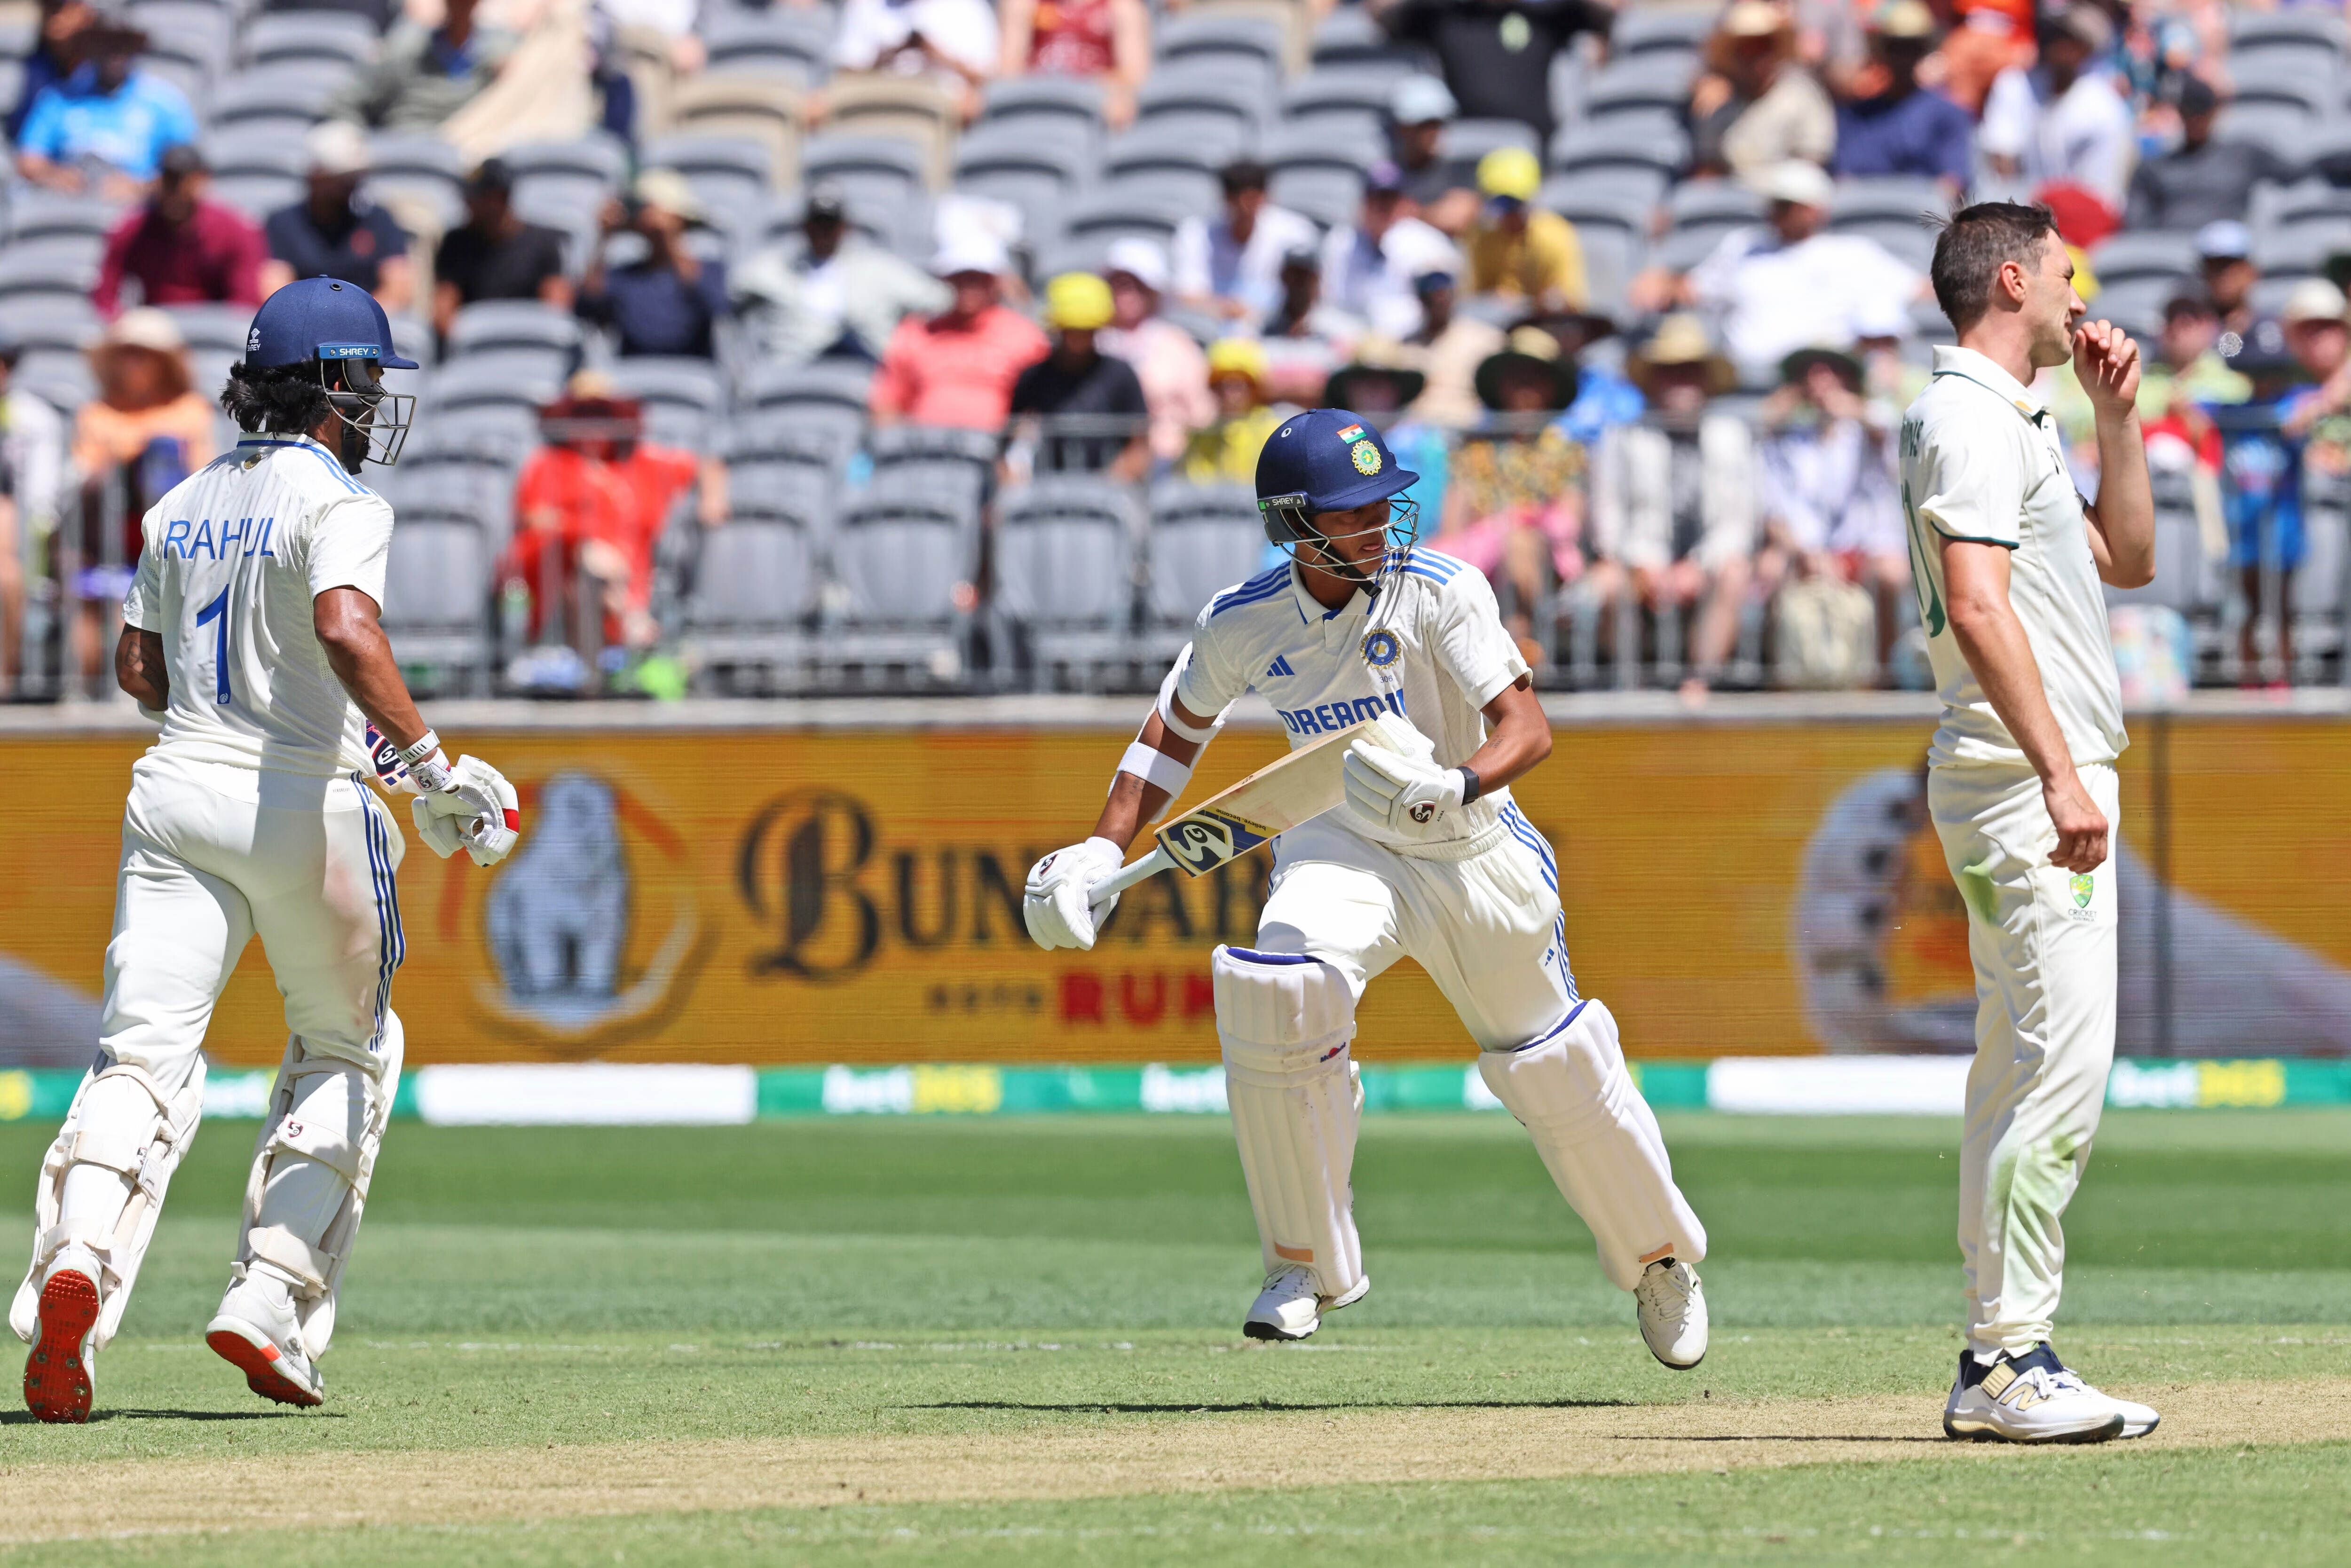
1600	1141
309	1187
1284	1021
123	1123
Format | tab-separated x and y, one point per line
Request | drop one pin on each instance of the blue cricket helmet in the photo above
1326	460
321	318
319	322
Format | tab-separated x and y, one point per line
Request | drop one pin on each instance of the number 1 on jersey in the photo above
218	612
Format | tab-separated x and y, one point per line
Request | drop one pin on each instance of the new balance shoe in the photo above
60	1374
1291	1305
2138	1420
257	1332
2032	1398
1672	1307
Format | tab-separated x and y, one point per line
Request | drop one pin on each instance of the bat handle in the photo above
1126	876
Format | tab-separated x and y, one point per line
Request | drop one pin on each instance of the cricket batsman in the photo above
1428	859
251	633
2008	557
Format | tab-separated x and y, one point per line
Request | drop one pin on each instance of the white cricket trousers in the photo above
1487	927
307	866
2043	942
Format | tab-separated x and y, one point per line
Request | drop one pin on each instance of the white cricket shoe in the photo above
2138	1420
61	1372
256	1331
1672	1306
2033	1398
1291	1307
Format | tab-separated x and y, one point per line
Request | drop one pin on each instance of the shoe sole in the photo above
1675	1366
2129	1431
259	1362
1260	1328
57	1379
2110	1429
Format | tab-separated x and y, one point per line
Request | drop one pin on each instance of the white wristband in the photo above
1154	766
1176	726
424	745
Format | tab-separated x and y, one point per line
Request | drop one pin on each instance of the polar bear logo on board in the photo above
559	917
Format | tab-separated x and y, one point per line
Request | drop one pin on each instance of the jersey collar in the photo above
1310	609
1967	365
278	438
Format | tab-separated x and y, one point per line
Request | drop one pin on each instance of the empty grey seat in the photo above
61	269
560	182
1204	539
2250	30
182	35
425	169
1057	108
1348	92
1149	148
1466	140
1607	145
492	378
1639	29
213	328
2144	252
1203	94
1699	214
285	99
343	37
67	324
1254	44
839	383
1595	204
754	595
1653	83
685	399
1065	569
2281	127
883	170
902	552
934	455
732	175
2184	580
35	214
477	494
1612	259
58	377
436	596
247	150
1888	196
778	40
1097	217
520	332
1349	37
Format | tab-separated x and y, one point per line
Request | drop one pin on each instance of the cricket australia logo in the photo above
2083	886
1207	839
1382	648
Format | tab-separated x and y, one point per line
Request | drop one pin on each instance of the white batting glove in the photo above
1055	903
1408	795
474	808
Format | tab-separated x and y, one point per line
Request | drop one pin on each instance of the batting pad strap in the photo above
117	1147
319	1141
305	1267
1156	767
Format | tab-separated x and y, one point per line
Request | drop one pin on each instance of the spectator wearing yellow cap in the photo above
1755	104
1519	253
1095	400
1226	452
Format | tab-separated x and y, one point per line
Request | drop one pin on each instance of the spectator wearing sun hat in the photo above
1518	252
1225	452
1901	126
1786	283
1755	104
670	300
1075	381
957	367
1167	359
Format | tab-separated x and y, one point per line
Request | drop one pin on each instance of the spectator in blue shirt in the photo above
104	129
1903	128
668	302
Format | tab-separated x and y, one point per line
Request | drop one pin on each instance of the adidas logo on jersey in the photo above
1280	666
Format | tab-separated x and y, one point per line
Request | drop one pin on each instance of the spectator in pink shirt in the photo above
1166	358
179	248
958	367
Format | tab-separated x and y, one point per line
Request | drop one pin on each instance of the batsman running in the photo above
1363	631
251	633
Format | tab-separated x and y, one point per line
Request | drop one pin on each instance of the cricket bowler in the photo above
2007	557
1427	858
251	632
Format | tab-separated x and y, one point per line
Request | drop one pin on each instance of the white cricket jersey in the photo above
1982	460
1431	647
233	556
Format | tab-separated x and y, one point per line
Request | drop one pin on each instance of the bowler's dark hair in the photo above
1974	244
282	399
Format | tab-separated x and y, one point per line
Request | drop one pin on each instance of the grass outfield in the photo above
947	1341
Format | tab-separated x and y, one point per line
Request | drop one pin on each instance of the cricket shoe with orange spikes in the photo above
256	1332
60	1375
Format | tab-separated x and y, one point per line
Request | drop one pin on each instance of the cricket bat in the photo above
1278	796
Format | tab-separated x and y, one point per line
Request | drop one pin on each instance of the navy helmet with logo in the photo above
340	330
1331	460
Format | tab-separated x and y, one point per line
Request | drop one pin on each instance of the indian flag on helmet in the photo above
1353	432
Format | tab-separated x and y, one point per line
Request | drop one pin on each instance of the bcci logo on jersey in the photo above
1382	648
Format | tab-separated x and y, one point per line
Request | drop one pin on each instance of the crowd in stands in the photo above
760	333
